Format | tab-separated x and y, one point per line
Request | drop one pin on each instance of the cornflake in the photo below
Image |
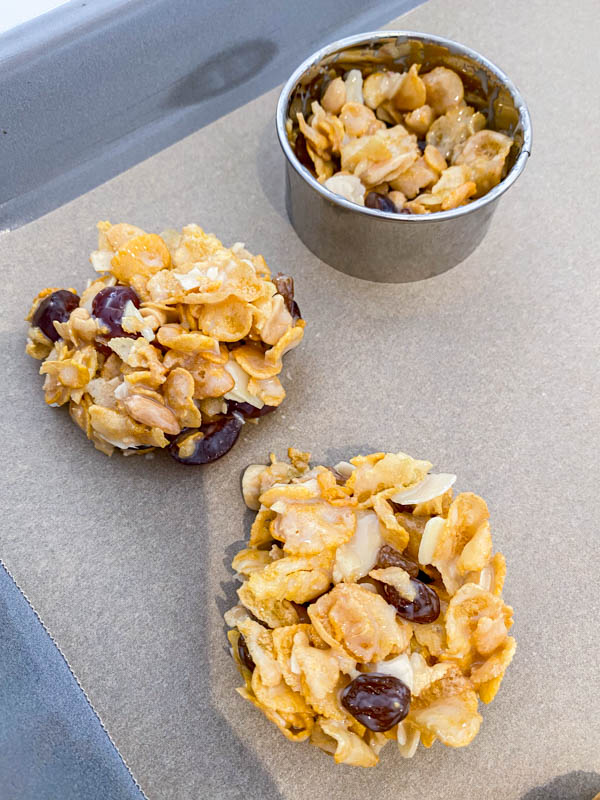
174	343
400	142
371	605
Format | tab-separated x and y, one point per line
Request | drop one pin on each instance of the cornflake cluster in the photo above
370	607
400	142
175	344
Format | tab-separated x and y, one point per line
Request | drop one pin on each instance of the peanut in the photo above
334	97
151	413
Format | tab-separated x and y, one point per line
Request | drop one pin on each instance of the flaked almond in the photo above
433	485
430	538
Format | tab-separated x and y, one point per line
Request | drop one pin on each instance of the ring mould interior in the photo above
382	246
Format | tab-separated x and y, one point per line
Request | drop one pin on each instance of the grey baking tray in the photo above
91	88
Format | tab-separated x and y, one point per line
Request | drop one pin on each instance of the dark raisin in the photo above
247	410
210	442
104	349
399	508
108	306
295	312
303	617
389	557
377	701
422	144
302	154
244	654
424	608
56	307
379	202
285	287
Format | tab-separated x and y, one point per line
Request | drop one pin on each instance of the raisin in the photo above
424	608
244	654
377	701
399	508
56	307
303	617
108	306
379	202
247	410
211	441
389	557
295	312
302	154
285	287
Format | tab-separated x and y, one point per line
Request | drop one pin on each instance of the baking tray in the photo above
70	120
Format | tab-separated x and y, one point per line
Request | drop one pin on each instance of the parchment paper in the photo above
489	371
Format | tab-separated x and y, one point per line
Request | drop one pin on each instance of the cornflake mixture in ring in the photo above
174	344
400	142
370	607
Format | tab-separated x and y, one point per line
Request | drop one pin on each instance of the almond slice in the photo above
432	486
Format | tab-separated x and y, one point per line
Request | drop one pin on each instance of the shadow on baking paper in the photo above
229	587
222	72
270	168
225	765
578	785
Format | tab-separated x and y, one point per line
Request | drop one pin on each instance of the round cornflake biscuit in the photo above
370	607
175	343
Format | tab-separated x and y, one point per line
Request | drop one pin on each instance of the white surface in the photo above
15	13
